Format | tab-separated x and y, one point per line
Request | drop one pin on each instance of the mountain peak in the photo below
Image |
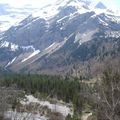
100	5
67	2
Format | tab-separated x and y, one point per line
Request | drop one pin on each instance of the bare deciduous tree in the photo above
8	96
109	96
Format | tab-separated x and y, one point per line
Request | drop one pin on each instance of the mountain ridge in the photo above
70	26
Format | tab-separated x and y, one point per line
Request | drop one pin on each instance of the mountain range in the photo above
61	37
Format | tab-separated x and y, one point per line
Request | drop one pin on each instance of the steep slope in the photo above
75	32
49	26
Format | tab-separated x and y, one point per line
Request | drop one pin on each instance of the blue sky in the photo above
111	3
38	3
117	2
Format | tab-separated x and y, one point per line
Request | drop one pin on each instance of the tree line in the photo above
102	98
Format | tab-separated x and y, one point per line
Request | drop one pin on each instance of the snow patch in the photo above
32	55
103	22
52	45
9	63
23	116
6	44
28	47
63	109
46	13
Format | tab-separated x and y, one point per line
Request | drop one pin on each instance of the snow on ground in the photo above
50	46
14	47
6	44
7	21
56	45
28	47
85	116
51	10
53	47
23	116
32	55
46	13
9	63
58	107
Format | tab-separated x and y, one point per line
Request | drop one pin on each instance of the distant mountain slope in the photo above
61	35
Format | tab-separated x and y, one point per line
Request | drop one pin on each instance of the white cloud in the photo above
23	3
41	3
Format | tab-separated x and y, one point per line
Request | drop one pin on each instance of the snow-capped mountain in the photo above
100	5
59	34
